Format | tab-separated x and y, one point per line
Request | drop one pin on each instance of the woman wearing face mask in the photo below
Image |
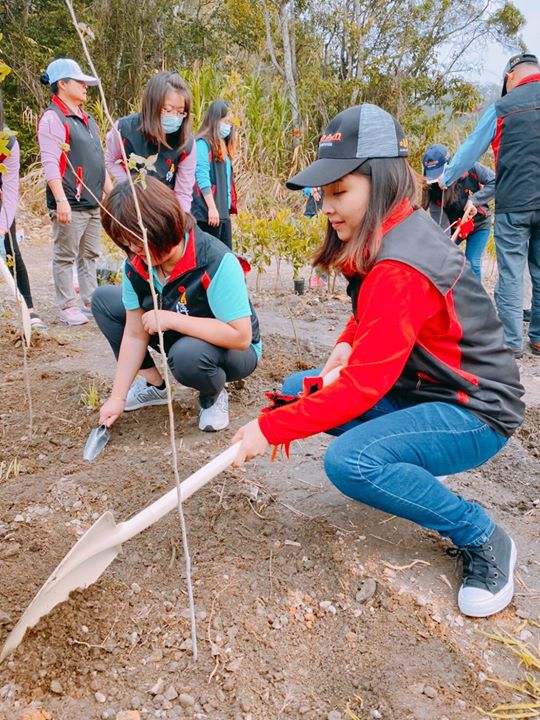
214	194
74	167
162	128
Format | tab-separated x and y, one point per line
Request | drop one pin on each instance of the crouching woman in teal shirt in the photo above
211	331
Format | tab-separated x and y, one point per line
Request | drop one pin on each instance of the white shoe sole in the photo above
210	428
495	603
146	404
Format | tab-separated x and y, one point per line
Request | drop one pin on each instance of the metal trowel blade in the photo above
97	440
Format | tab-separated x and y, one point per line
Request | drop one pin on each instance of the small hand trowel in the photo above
97	440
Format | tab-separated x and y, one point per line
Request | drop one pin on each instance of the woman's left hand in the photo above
149	321
253	443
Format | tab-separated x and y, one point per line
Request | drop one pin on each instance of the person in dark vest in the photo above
9	199
211	330
427	386
512	126
162	128
214	193
463	207
74	167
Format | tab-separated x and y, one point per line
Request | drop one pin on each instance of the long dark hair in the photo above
392	181
161	214
209	130
154	97
431	192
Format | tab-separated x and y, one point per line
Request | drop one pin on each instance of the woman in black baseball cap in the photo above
425	388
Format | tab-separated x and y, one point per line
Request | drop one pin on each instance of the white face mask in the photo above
225	129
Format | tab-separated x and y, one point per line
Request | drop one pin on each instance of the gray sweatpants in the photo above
77	243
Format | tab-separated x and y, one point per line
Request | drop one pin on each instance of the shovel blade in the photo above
79	569
97	440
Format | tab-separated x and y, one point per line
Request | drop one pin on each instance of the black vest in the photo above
218	178
185	291
463	188
487	380
168	159
517	187
85	155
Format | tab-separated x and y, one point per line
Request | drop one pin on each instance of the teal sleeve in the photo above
129	296
227	293
202	166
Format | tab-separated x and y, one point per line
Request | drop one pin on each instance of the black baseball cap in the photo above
355	135
515	60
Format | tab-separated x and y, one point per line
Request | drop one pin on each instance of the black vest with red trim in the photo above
485	380
83	164
218	179
186	288
517	187
138	143
10	143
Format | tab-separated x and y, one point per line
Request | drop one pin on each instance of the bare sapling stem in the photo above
163	354
18	300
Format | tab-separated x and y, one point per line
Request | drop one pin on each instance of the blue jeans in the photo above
388	458
476	244
517	239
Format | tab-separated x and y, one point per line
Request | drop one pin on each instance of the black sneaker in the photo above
526	314
488	575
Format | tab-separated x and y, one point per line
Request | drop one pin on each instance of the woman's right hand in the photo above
110	411
63	212
213	217
338	357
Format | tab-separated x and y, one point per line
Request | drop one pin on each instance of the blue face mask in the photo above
225	130
171	123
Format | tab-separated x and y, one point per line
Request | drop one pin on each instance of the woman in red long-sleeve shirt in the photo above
427	387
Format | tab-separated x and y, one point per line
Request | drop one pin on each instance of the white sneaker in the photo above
141	394
216	417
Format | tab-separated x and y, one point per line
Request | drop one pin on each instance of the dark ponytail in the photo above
44	80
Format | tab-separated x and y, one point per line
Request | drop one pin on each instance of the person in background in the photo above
162	128
9	199
214	193
426	386
74	167
313	206
211	331
467	199
512	126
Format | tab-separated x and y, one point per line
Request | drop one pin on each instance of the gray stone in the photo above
186	700
430	692
368	587
334	715
100	697
56	687
170	693
5	619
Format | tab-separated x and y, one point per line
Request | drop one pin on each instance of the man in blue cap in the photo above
512	126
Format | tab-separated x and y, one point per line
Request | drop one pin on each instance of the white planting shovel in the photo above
8	277
101	543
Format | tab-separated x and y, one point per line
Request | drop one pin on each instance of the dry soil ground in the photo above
308	604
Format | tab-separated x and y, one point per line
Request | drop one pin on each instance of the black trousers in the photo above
16	263
222	232
193	362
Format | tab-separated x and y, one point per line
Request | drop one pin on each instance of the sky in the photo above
496	56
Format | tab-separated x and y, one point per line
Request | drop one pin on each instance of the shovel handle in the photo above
169	501
191	484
